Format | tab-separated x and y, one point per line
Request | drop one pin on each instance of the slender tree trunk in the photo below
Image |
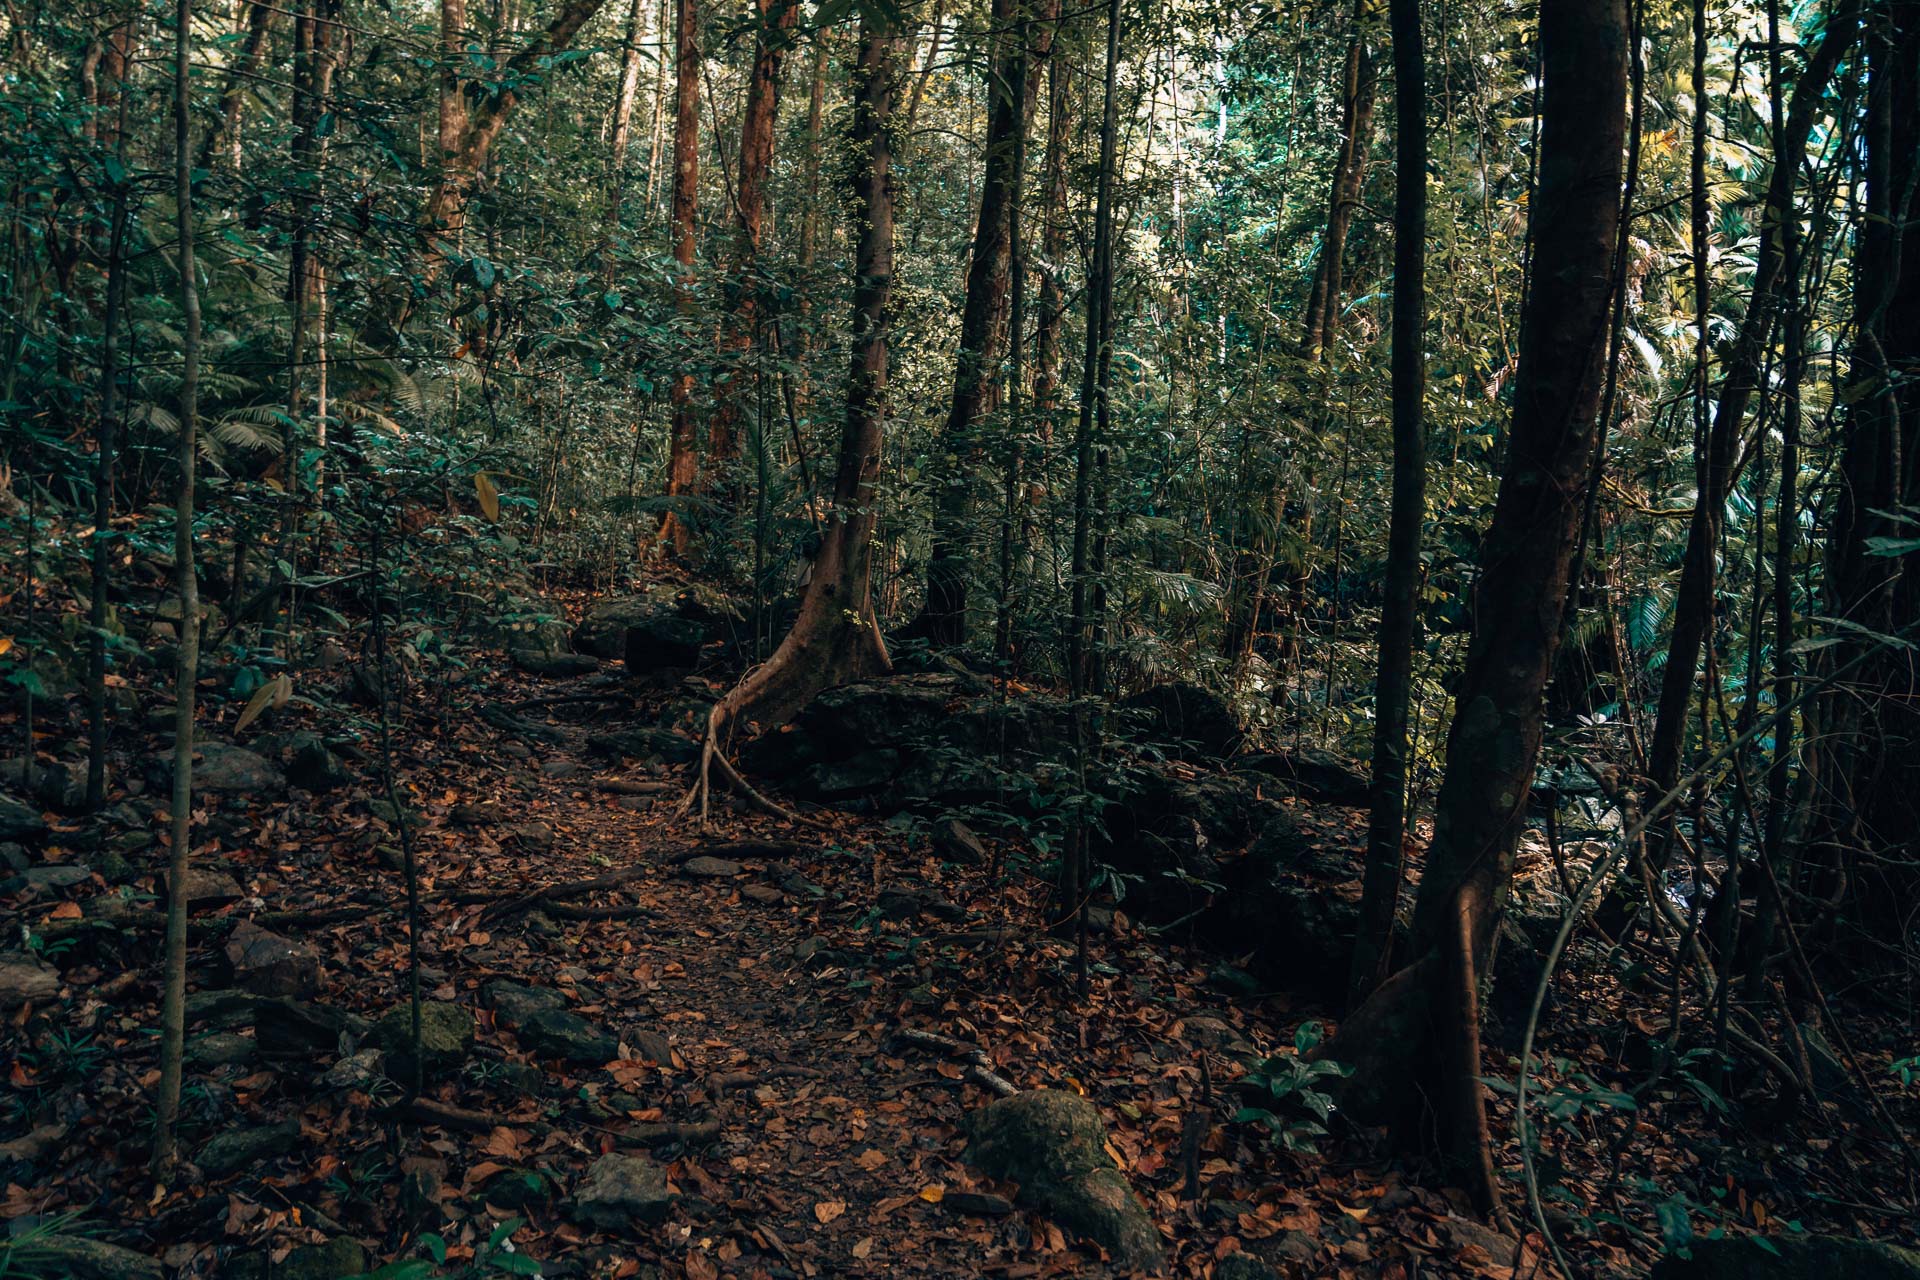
1424	1020
835	638
657	131
740	325
240	87
173	1002
1349	175
105	446
1693	601
623	100
683	462
1400	614
1095	373
983	324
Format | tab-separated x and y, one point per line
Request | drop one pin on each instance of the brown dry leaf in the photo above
870	1159
827	1210
863	1247
933	1193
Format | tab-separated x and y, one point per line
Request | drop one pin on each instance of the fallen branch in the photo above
667	1133
979	1065
724	1081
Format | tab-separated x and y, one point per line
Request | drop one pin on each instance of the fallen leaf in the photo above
827	1210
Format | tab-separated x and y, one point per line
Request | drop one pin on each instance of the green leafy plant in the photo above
1294	1105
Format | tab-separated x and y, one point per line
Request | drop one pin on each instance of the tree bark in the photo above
983	323
1693	601
1870	724
1400	615
105	447
739	327
239	88
623	100
1431	1009
835	638
173	1000
1349	175
683	461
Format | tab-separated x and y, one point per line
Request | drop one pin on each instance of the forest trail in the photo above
757	977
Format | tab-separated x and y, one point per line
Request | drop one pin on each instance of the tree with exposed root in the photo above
836	639
1415	1042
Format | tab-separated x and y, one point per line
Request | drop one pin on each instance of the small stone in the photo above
240	1149
620	1192
420	1197
706	868
267	964
13	856
446	1038
24	980
1212	1033
337	1259
474	815
355	1071
64	875
534	835
20	821
956	842
557	1033
1234	981
979	1204
652	1047
206	888
220	1049
559	768
296	1029
764	894
513	1003
1243	1266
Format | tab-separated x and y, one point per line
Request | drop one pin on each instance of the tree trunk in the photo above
239	88
467	137
1870	723
173	1001
105	444
835	638
1693	601
1429	1013
1400	614
1349	175
983	323
683	462
623	100
739	327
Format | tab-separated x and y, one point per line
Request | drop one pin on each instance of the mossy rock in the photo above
1791	1258
519	1189
446	1039
337	1259
1054	1145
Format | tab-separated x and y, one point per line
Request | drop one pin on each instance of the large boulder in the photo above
1295	906
620	1192
58	785
1315	774
305	758
559	1033
1053	1145
1791	1258
296	1029
645	742
1186	720
661	640
1173	837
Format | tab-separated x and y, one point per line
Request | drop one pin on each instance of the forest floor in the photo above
756	977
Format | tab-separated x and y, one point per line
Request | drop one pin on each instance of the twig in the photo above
980	1066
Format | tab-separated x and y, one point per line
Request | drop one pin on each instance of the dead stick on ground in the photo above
979	1068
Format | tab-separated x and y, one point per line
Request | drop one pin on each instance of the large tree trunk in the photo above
683	459
1693	601
1869	758
1400	615
623	99
1431	1015
173	999
835	638
739	327
983	323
